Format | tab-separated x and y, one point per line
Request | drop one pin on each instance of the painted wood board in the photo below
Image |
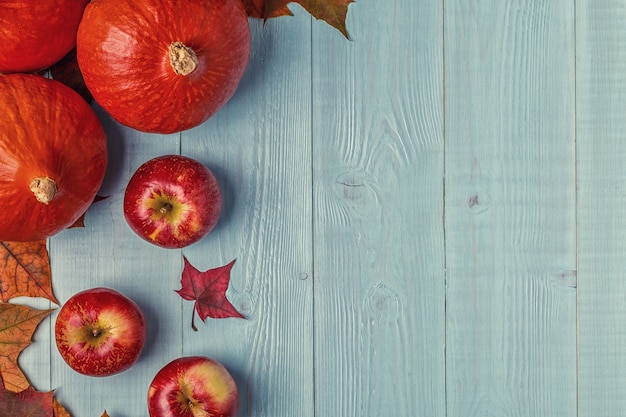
510	208
264	161
601	158
378	213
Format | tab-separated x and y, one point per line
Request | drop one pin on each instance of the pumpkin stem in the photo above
183	59
44	189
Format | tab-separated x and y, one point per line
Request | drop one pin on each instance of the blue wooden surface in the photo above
510	209
601	156
427	220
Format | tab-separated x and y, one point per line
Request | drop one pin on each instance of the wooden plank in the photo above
259	146
601	157
107	253
510	208
378	212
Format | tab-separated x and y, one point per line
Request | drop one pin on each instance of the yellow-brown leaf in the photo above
58	410
256	8
25	271
333	12
17	325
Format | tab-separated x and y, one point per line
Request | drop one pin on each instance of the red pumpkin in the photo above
163	66
35	34
53	157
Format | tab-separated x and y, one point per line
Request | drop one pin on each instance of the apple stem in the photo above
166	208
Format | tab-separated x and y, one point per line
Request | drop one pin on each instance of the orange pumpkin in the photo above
35	34
163	66
53	157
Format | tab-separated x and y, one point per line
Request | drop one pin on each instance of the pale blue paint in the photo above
427	220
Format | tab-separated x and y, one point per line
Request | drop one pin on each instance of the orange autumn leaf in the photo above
25	271
17	325
58	410
105	414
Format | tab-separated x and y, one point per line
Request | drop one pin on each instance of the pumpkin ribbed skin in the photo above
46	131
123	51
35	34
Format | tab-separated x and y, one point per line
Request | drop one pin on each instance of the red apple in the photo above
172	201
193	386
100	332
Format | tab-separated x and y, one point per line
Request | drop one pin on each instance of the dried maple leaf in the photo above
256	8
25	271
105	414
58	410
333	12
27	403
208	290
17	325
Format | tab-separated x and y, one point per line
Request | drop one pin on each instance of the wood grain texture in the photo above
259	146
510	208
378	210
601	157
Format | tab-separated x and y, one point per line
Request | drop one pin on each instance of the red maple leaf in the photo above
208	290
25	403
